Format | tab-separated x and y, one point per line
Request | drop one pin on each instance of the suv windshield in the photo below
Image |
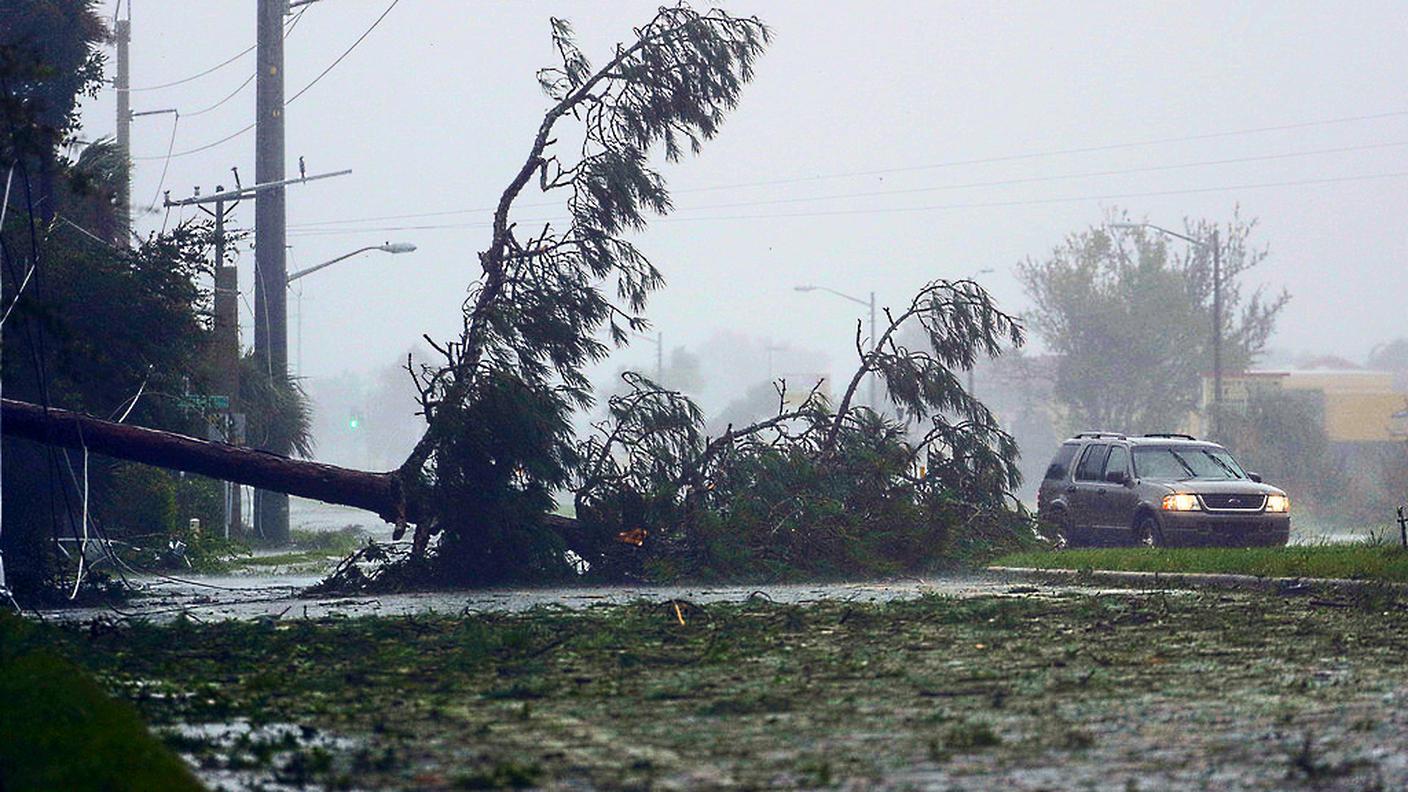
1186	463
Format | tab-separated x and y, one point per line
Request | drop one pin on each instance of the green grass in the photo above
1378	562
308	548
343	541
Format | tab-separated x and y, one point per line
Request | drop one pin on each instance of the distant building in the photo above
800	384
1355	405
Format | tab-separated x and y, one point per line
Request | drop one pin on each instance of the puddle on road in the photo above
237	755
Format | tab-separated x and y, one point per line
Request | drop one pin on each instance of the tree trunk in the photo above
381	493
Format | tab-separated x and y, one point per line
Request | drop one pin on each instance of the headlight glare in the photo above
1278	503
1181	501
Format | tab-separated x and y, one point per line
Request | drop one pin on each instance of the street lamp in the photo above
871	305
386	247
1216	307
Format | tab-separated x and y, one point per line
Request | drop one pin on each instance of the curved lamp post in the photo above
871	305
386	247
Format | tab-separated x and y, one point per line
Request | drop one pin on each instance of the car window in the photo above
1159	463
1062	463
1226	459
1209	463
1118	461
1092	462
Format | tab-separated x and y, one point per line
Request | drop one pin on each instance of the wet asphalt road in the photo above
214	598
262	595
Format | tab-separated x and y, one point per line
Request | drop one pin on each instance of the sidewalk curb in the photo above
1213	580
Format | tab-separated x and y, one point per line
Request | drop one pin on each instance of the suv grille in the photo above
1221	502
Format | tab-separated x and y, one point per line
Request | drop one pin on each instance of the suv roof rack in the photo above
1098	435
1178	435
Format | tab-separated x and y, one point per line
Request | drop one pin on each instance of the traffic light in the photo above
354	422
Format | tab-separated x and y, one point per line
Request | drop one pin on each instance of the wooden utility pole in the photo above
227	325
122	31
227	355
270	265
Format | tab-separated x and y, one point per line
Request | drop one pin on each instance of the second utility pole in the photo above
122	31
270	265
227	358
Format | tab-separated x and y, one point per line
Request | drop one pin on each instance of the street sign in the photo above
205	402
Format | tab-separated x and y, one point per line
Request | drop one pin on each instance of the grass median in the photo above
1376	562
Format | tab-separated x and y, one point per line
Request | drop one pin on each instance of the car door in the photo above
1084	489
1117	502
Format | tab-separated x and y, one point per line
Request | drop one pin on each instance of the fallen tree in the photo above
498	440
811	490
381	493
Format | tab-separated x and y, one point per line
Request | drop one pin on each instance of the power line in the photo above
1064	199
250	78
290	100
898	210
1059	177
169	156
347	52
228	97
198	149
220	65
216	67
1065	151
914	190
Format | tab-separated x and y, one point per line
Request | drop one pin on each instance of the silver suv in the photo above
1158	490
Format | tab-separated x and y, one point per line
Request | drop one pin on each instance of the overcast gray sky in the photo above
436	107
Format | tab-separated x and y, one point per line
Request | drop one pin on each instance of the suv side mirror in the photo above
1117	477
1254	476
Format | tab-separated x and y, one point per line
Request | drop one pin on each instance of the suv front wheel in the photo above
1146	531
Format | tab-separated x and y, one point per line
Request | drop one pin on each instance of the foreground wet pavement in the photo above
988	685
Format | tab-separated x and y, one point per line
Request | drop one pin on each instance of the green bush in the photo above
148	507
142	502
59	730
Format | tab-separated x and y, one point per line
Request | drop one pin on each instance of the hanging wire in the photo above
18	292
83	544
165	165
4	587
228	97
290	100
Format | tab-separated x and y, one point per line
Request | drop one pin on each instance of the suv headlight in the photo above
1181	501
1278	503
